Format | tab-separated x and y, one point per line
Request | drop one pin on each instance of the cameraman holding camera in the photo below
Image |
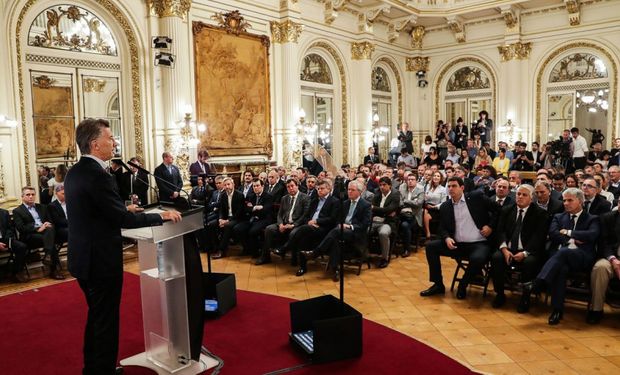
523	160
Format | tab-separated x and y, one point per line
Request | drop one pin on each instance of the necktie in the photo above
572	221
290	213
501	203
270	188
586	206
347	220
516	233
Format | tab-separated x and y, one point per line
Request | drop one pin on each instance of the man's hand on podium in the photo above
172	215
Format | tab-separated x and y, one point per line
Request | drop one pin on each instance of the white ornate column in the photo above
513	92
285	35
173	83
361	101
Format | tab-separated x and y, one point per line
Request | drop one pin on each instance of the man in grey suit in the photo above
384	220
292	214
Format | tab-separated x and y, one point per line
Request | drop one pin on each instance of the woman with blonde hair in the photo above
482	159
434	195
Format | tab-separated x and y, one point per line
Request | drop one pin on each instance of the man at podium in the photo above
96	214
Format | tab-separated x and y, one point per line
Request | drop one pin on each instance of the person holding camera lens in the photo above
523	160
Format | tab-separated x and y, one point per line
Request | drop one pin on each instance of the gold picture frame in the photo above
232	90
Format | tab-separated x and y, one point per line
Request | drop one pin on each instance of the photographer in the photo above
523	160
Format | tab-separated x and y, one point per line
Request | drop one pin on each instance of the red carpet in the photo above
41	333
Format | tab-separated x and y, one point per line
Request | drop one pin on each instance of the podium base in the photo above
195	367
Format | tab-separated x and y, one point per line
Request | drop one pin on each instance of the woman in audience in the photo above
426	147
482	159
603	159
501	162
433	158
465	159
434	195
571	181
59	178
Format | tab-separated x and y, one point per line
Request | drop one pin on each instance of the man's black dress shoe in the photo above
382	263
218	255
555	317
119	370
301	272
461	293
594	317
524	304
262	261
434	289
499	301
405	254
279	252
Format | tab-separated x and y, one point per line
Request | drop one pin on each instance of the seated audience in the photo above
57	212
411	207
231	212
465	225
573	235
260	212
593	202
9	242
521	233
385	220
434	195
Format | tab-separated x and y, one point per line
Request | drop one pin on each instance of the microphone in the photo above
189	200
119	161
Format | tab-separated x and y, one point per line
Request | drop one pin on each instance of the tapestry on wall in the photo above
232	90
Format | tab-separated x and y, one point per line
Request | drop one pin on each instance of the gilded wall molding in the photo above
286	31
362	50
75	62
136	93
169	8
399	85
613	79
515	51
343	96
574	13
417	63
417	36
449	66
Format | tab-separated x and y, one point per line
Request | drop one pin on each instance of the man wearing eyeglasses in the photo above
594	203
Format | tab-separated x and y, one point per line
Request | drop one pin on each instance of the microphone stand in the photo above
189	199
341	249
119	161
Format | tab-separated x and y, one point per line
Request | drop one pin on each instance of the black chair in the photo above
479	280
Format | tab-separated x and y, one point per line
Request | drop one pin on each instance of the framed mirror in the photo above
100	99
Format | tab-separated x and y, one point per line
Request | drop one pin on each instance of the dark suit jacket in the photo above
328	216
586	230
174	179
57	215
522	165
140	186
212	208
300	211
97	215
195	170
599	205
610	234
389	211
482	209
407	138
279	189
508	201
265	200
371	159
238	204
554	207
533	230
24	222
362	217
6	227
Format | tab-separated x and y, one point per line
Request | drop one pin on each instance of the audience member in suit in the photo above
367	195
544	200
201	192
260	212
607	267
31	222
57	212
311	191
169	181
546	177
385	217
95	252
356	216
614	180
521	234
199	168
275	187
405	136
246	185
231	212
503	196
212	208
371	158
135	183
466	223
9	242
573	235
462	172
594	203
323	216
411	207
522	160
292	214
